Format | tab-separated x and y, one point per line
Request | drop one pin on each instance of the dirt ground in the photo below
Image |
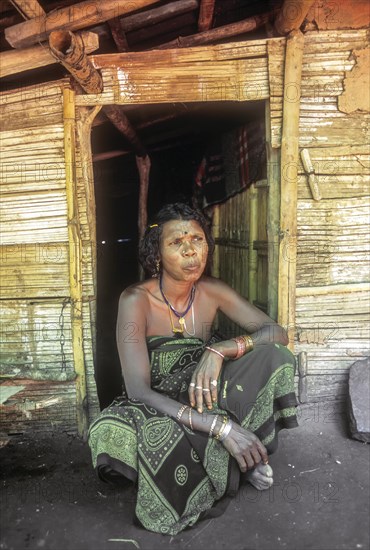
51	498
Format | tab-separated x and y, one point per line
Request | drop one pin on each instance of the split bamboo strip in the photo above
333	289
75	17
288	207
273	209
17	61
75	262
253	236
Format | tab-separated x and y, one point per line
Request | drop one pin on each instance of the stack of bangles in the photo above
223	431
244	344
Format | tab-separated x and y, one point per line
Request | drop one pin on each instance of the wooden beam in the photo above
206	13
227	31
156	15
75	17
289	184
28	8
17	61
68	49
291	15
118	34
122	123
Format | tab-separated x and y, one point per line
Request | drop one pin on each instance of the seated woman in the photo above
198	414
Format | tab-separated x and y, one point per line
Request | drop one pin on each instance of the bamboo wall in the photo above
332	295
37	361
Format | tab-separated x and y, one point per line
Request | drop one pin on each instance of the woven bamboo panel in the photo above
236	71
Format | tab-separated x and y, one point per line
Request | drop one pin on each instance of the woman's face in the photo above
183	250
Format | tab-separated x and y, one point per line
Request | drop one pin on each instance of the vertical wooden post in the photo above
289	183
273	211
253	236
216	235
75	247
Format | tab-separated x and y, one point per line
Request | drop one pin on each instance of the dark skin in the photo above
143	312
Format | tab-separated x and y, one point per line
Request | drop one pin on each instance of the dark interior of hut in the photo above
176	145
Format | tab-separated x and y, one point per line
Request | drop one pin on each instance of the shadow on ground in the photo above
52	499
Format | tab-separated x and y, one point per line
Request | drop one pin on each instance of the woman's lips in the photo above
193	267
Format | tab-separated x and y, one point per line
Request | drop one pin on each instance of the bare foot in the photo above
261	476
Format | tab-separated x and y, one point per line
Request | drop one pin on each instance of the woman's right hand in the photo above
245	447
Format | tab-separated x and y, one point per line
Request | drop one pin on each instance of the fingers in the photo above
202	392
263	452
213	386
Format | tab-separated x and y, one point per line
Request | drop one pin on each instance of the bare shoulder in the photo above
135	295
213	286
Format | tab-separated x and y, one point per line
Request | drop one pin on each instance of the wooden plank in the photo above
28	8
75	17
289	184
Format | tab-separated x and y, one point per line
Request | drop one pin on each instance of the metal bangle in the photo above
215	351
226	431
213	426
181	411
190	419
220	432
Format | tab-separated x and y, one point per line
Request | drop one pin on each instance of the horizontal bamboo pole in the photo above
75	17
17	61
333	289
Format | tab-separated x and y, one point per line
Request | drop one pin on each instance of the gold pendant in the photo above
182	321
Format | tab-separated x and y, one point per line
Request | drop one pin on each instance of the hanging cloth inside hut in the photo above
231	163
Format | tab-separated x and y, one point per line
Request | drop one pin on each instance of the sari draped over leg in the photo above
183	476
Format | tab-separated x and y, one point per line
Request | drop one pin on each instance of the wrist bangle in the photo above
224	422
248	342
190	419
181	411
215	351
213	426
240	342
226	431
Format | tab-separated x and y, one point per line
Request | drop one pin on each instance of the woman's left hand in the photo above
203	384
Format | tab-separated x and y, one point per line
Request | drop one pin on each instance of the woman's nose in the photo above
188	250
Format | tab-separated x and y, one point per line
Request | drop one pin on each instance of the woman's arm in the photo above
244	446
256	323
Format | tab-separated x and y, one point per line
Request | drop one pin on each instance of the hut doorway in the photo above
211	155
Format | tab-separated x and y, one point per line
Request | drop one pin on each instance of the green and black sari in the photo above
181	475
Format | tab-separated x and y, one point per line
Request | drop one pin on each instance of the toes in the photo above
264	469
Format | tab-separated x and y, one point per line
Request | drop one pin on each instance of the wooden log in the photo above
28	8
157	15
291	15
118	34
206	13
117	116
17	61
75	17
68	49
227	31
289	183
